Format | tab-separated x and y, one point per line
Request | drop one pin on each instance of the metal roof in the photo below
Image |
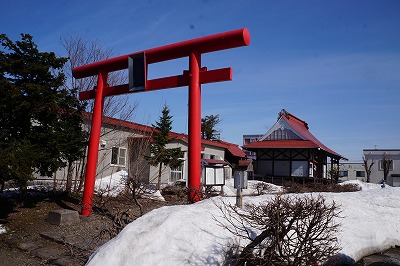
284	144
299	137
230	147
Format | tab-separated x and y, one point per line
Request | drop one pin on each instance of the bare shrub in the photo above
136	183
135	189
118	211
117	215
283	231
210	191
263	188
175	193
294	187
349	188
82	51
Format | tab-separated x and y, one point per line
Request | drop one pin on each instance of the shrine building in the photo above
289	152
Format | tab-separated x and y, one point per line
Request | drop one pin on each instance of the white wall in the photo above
377	172
118	138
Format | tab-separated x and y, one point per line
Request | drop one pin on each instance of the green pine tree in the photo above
208	124
160	155
40	119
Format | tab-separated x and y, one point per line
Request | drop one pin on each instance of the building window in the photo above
118	156
176	174
249	140
360	173
389	163
343	173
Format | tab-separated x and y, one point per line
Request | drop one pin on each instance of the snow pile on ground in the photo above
364	186
114	184
190	234
251	189
2	229
371	220
156	195
111	185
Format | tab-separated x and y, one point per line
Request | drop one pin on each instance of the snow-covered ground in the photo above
190	235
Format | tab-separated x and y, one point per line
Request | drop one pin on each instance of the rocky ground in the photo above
390	257
31	240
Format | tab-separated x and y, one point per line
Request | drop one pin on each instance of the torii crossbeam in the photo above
137	64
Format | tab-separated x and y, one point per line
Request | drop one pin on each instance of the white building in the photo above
377	157
351	171
247	139
124	145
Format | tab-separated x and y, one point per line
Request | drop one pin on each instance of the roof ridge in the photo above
290	115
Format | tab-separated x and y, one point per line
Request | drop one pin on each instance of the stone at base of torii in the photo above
63	216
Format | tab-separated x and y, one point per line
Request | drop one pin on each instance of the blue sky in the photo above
334	64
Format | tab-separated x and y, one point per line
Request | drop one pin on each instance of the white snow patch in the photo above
251	190
363	185
2	229
154	196
112	185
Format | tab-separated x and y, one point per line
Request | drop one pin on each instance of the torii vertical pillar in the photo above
194	149
93	150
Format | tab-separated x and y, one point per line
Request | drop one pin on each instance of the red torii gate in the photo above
137	63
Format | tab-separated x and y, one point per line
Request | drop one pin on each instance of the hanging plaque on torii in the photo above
137	63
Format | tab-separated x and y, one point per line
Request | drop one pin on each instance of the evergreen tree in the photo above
40	120
160	155
208	124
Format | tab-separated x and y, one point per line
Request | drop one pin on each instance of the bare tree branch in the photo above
81	52
368	168
284	231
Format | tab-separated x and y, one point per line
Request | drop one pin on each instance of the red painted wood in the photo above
210	76
211	43
93	149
